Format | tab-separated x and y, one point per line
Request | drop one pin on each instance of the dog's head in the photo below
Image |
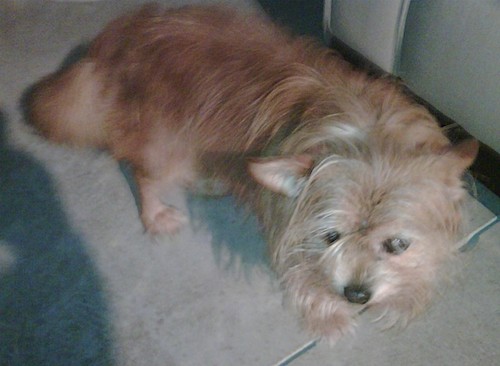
374	228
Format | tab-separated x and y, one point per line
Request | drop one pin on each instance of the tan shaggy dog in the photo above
358	191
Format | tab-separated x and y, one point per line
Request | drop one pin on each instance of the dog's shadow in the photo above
236	239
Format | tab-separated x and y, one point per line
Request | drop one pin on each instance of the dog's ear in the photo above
461	156
285	175
453	162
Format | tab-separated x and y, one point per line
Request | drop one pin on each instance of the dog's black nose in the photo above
357	294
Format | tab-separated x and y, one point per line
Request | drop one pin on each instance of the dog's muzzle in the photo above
357	294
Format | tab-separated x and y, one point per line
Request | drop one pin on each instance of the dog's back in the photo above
157	65
193	68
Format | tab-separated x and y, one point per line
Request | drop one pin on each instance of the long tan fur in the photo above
339	164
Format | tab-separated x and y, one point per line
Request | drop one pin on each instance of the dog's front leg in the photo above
158	218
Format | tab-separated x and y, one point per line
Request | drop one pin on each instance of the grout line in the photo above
297	353
471	240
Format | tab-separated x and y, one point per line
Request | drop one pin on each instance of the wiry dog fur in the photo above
357	189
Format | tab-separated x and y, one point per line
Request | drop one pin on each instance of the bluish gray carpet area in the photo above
52	310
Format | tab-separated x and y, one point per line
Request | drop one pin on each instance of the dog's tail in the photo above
69	106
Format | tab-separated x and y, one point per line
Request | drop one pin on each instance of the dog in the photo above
358	191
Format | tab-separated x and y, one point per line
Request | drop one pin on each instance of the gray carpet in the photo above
81	284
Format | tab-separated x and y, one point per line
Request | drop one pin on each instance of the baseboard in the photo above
485	168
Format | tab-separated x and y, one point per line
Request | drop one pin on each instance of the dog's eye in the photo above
396	245
331	237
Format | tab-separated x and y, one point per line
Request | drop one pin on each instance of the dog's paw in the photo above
169	220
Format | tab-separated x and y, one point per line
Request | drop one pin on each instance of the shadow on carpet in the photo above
52	307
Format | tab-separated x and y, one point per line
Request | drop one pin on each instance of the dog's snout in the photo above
357	294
